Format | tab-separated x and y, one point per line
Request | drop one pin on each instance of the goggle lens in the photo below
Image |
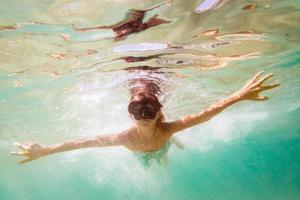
143	110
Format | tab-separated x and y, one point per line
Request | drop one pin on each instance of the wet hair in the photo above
143	95
141	86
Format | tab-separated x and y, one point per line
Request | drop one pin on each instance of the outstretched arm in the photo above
34	151
249	92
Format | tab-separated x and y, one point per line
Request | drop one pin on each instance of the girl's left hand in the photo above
254	86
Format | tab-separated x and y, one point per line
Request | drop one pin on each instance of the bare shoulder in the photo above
168	128
175	126
126	135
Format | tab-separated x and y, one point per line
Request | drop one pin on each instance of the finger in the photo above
260	98
268	87
254	79
19	153
25	161
264	79
21	146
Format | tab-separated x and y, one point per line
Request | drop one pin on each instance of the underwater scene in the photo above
65	69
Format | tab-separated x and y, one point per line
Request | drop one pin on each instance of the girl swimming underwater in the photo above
149	137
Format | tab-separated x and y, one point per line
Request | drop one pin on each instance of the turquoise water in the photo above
58	84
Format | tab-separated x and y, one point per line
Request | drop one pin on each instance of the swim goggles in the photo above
144	109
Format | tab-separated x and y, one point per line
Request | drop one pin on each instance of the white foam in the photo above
225	128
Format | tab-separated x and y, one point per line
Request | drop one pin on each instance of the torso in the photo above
139	143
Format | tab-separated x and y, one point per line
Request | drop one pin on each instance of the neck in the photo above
146	130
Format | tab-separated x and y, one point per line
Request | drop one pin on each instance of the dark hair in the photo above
145	86
143	95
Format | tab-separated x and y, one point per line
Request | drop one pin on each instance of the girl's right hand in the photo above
31	151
